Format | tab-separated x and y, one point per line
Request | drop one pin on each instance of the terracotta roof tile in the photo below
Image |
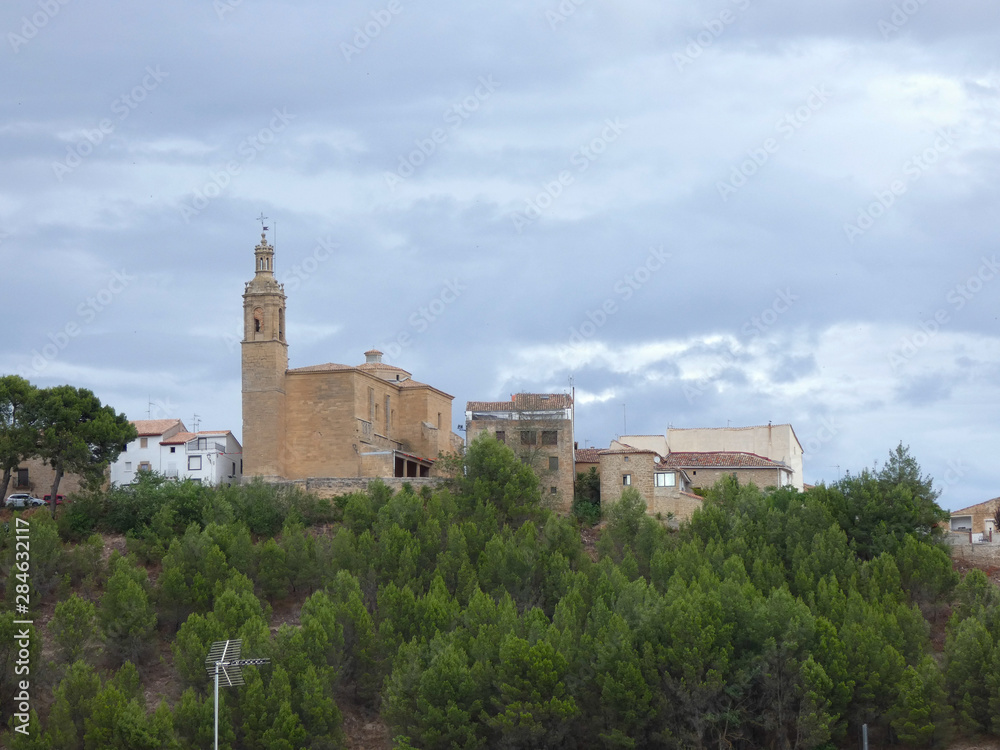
721	460
588	455
152	427
525	402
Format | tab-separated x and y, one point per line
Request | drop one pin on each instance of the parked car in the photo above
60	499
22	500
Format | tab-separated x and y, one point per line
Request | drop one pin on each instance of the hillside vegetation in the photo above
472	617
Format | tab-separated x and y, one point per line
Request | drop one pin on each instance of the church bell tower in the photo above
265	361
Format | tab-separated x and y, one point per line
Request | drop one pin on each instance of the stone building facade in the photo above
35	477
978	518
705	469
330	420
665	489
538	427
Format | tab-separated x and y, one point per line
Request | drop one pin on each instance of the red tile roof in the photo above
525	402
721	460
588	455
152	427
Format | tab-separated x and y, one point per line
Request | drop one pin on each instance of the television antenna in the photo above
225	664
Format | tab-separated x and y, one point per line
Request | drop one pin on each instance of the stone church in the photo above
330	420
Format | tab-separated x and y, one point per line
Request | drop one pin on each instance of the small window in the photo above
143	442
173	448
202	444
626	480
529	437
552	490
22	477
145	466
626	459
501	436
553	463
550	437
665	479
128	466
194	463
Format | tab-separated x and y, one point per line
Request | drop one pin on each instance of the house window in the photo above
439	420
552	490
502	436
234	468
665	479
529	437
143	442
202	444
128	466
626	459
194	463
173	448
22	477
553	463
145	466
550	437
626	480
371	405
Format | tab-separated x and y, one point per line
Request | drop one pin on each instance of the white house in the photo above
166	447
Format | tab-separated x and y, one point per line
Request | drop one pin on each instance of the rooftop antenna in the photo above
624	419
225	664
195	421
149	406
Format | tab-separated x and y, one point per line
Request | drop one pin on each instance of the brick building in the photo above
330	420
538	427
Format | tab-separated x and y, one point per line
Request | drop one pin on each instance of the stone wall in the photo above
40	479
705	478
336	486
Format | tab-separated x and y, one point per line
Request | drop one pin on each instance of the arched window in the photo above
281	324
258	320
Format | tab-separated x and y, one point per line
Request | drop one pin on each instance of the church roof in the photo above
366	367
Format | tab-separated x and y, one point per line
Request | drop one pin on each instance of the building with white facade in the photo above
166	447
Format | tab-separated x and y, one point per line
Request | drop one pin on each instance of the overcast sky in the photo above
703	212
